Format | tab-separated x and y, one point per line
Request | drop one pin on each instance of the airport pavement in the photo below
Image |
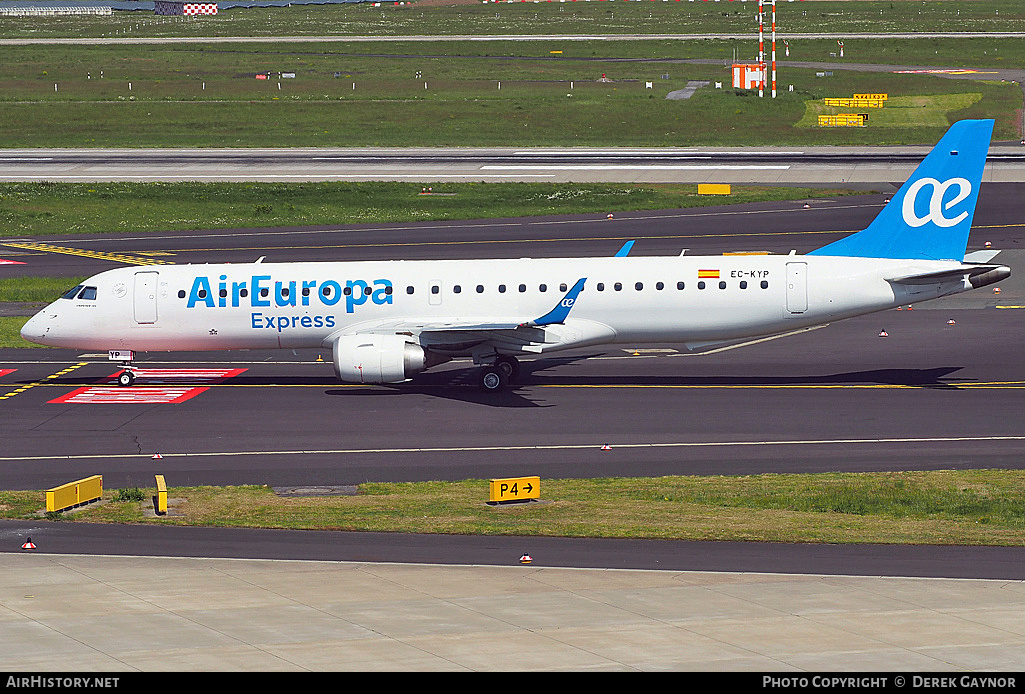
127	614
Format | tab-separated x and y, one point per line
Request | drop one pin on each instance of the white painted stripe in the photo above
253	177
647	152
539	447
639	167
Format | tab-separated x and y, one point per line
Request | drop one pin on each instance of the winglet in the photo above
625	250
561	310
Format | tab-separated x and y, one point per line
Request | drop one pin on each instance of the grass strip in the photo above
391	19
48	208
10	332
947	507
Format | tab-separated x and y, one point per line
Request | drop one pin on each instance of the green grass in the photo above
561	18
978	507
899	112
73	208
35	289
10	332
206	95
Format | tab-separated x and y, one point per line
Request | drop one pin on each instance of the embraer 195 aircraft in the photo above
388	321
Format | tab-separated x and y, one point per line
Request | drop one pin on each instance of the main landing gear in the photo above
493	378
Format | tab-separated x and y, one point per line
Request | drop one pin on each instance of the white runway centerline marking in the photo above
539	447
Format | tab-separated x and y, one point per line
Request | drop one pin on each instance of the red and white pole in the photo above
773	49
761	48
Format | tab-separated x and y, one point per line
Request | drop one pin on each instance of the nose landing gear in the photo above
126	377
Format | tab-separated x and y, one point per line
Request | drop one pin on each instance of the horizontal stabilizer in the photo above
980	256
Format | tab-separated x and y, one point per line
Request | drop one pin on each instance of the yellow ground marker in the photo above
21	389
100	255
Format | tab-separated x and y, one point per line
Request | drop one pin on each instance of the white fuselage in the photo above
681	299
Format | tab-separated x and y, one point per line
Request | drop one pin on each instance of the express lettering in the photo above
279	323
261	291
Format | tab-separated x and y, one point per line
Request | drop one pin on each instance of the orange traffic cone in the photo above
526	558
883	333
28	544
606	447
156	456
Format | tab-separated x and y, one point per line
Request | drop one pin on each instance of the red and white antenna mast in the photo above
761	45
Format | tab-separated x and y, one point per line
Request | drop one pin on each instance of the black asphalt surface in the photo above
930	395
850	560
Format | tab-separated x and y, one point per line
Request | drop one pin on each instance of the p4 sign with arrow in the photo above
514	489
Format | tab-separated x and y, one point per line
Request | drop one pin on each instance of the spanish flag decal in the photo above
708	274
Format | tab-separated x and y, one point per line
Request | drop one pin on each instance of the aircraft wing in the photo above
517	328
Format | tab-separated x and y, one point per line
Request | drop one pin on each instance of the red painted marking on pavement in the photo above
10	262
4	372
93	395
179	375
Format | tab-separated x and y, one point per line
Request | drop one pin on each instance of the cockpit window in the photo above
71	293
88	293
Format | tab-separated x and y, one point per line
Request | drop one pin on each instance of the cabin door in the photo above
797	288
146	297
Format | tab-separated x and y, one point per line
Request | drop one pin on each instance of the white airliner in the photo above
387	321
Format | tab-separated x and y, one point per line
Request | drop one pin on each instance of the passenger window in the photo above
660	286
71	293
601	286
409	289
89	294
181	293
306	291
480	288
388	290
765	284
224	292
679	285
618	286
722	285
701	285
639	286
202	293
456	289
245	292
265	292
326	291
347	291
563	287
523	288
743	284
435	289
542	288
501	289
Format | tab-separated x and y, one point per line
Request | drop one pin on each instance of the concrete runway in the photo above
95	615
767	165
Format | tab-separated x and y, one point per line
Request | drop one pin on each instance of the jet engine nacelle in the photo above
376	358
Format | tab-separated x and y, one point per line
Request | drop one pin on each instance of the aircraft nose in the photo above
35	328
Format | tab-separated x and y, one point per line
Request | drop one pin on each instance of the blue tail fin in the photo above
930	216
